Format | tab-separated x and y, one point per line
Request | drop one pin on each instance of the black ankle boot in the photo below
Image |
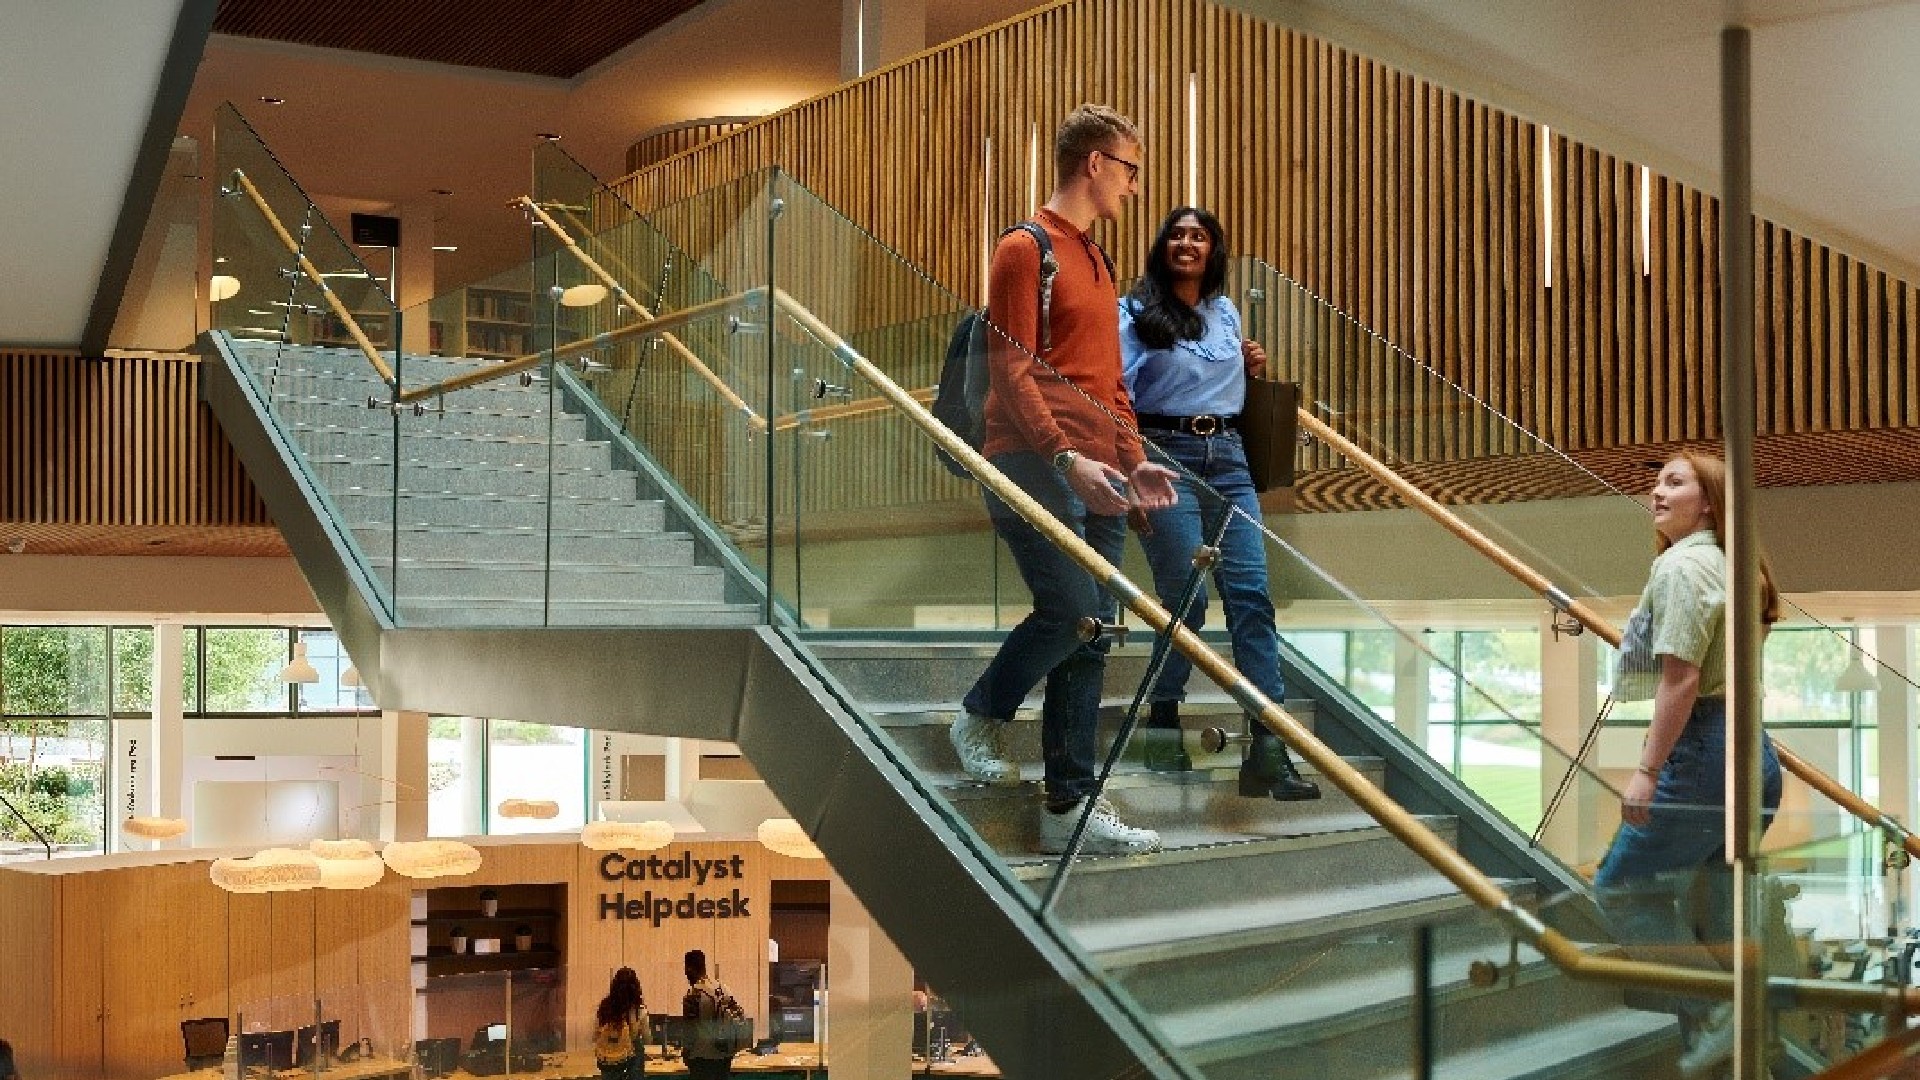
1160	743
1269	772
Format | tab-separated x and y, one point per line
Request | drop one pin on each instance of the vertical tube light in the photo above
986	214
1646	221
1033	167
1546	205
1193	138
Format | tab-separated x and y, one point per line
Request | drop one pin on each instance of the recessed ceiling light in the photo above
271	100
446	247
547	135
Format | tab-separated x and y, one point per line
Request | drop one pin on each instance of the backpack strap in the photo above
1049	266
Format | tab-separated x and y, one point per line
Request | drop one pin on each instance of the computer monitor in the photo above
270	1050
657	1023
323	1042
496	1032
437	1057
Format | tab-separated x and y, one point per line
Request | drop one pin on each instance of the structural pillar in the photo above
869	994
1412	668
1743	635
169	725
1893	715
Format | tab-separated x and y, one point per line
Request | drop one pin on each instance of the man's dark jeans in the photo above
1045	645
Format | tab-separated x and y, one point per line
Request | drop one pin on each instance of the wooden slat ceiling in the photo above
556	38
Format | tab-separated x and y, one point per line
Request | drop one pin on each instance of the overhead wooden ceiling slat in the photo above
556	38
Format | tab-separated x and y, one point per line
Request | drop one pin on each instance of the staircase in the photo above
513	553
1267	940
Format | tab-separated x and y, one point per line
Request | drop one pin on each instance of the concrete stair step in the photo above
688	584
924	732
530	545
1362	1025
502	511
475	479
482	612
356	387
348	418
1202	864
429	448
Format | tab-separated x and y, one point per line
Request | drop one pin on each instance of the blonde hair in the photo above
1086	129
1711	473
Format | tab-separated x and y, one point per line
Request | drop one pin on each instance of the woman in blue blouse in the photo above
1186	367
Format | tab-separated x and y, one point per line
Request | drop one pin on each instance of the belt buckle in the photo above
1204	425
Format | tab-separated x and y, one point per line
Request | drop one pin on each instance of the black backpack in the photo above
960	401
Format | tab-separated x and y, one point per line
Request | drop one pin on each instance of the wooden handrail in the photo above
244	184
1875	1061
1410	830
531	360
1580	610
620	293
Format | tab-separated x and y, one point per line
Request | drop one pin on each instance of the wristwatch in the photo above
1063	461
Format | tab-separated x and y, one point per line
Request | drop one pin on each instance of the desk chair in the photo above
206	1041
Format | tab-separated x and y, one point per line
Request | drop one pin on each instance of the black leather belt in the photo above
1189	425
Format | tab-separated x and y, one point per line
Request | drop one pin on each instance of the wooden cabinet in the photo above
458	912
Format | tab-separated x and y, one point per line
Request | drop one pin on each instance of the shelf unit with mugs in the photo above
465	929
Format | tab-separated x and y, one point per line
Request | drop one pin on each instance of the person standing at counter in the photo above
620	1033
713	1018
1186	367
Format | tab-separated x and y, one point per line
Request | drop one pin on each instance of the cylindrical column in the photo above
1744	733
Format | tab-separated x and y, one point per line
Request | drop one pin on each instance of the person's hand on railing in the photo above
1254	356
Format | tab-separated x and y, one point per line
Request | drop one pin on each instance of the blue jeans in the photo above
1240	575
1044	645
1666	882
630	1069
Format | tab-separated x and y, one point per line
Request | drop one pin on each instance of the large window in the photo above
475	765
53	735
62	688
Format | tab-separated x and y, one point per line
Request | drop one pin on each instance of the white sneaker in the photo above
977	740
1106	834
1712	1044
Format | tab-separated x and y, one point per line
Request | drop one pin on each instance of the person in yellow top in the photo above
620	1032
1664	879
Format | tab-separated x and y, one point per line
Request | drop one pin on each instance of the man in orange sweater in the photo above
1062	428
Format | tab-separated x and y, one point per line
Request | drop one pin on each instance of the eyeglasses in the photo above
1133	167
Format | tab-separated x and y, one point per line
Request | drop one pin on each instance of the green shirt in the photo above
1682	613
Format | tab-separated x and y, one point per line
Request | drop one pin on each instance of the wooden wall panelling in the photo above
250	958
81	1019
145	967
29	952
1417	210
119	441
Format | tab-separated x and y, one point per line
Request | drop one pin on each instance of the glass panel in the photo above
290	294
53	670
538	763
331	662
243	670
367	1027
132	669
190	648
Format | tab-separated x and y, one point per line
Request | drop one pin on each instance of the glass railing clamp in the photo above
1090	629
822	389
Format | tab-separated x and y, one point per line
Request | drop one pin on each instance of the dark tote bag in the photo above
1270	430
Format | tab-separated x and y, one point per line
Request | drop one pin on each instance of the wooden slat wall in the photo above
1412	208
115	442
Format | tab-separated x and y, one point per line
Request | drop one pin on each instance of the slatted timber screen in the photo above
1420	212
122	441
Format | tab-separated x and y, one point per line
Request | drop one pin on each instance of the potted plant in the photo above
489	903
523	938
457	940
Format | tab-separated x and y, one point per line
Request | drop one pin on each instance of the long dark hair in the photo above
623	999
1159	316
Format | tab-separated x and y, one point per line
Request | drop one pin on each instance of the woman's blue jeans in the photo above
1045	644
1241	574
1667	882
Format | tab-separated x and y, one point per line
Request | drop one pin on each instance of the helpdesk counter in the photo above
800	1061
